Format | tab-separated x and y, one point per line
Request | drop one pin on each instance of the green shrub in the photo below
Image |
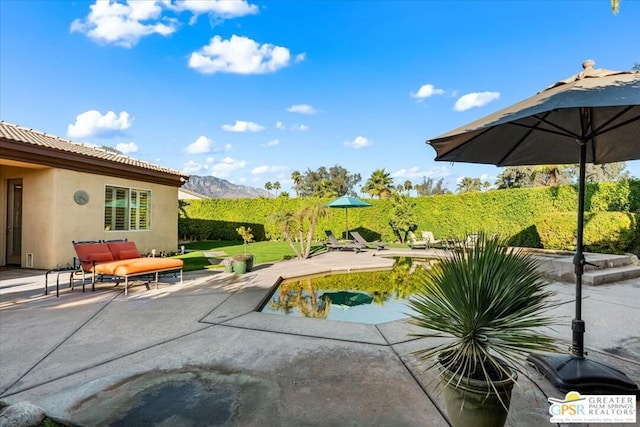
520	215
604	232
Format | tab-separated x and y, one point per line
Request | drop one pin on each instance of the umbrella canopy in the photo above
593	116
596	108
347	202
349	299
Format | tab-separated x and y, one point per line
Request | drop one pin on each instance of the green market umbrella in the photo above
347	202
349	299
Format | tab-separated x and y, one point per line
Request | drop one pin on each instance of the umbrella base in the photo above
570	373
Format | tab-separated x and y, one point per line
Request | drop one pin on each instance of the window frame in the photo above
132	216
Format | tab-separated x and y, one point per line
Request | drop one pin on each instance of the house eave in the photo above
32	154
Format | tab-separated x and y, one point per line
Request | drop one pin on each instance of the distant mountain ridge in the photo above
218	188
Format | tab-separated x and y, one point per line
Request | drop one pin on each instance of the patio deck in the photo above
198	354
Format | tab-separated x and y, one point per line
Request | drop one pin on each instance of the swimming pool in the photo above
362	297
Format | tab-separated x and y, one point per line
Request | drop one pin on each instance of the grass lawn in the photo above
262	252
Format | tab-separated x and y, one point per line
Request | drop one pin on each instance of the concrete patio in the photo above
198	353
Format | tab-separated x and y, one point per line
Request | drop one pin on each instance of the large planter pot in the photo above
239	267
471	402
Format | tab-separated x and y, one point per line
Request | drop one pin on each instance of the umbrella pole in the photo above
346	215
575	372
577	324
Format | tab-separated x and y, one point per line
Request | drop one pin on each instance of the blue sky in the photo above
251	91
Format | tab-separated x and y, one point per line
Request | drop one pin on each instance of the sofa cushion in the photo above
85	250
124	250
101	257
128	254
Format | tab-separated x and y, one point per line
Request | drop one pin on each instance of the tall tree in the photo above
268	186
402	218
276	186
469	185
297	179
408	186
298	227
549	175
429	188
335	180
379	184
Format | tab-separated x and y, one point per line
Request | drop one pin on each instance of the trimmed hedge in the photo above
518	215
604	232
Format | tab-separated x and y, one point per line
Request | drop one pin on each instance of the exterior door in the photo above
14	222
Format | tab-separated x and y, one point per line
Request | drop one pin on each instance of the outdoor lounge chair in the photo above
366	244
431	240
334	244
414	243
121	259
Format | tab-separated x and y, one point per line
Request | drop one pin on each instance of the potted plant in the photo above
240	264
228	265
490	303
247	237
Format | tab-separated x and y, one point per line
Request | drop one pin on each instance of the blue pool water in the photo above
366	297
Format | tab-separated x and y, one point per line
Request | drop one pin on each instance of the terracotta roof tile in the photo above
29	136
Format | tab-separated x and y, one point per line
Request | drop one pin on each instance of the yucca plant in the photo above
492	303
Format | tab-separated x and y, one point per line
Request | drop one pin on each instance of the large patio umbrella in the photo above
593	116
348	299
347	202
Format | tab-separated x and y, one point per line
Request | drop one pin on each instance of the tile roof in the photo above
17	133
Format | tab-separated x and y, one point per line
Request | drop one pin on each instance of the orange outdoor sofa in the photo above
121	259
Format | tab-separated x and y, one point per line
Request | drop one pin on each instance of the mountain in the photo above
217	188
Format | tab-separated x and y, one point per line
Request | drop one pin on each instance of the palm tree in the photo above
469	185
300	226
276	186
379	184
296	176
408	186
268	186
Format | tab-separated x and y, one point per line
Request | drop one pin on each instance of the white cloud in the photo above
239	55
123	24
191	167
209	159
300	57
302	109
93	124
224	9
416	174
426	91
272	142
267	169
300	128
475	99
358	142
242	126
279	125
127	147
227	147
226	166
200	145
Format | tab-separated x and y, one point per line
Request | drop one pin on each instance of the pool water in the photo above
366	297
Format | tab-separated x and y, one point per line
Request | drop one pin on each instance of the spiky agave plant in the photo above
491	302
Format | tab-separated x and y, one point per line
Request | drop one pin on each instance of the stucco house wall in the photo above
51	219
